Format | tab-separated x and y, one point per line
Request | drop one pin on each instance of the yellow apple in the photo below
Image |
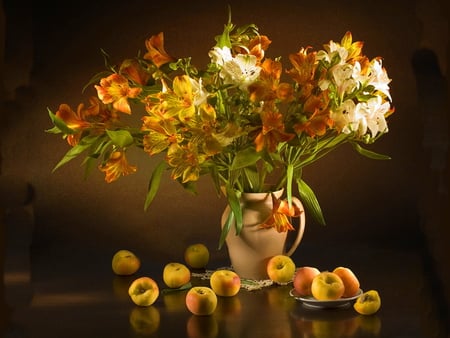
144	320
351	282
143	291
225	283
201	300
303	278
125	263
281	269
327	286
196	255
176	275
368	303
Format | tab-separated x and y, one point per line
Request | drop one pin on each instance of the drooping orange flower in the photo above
281	213
92	117
272	132
116	166
133	70
156	52
115	89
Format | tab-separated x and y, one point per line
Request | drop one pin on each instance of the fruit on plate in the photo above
125	263
281	269
303	278
176	275
368	303
196	255
225	283
327	286
351	282
143	291
201	300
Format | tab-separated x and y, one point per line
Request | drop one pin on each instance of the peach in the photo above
303	279
351	282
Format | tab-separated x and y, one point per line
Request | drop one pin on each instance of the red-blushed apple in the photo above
225	283
143	291
281	269
176	275
196	255
303	278
351	282
125	263
327	286
201	300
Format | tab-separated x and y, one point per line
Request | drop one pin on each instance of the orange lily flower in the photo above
268	87
304	66
185	161
281	212
116	166
116	90
156	52
319	120
354	48
272	132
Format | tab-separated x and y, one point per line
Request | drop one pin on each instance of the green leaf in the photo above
245	158
234	201
181	288
75	151
369	153
226	229
121	138
310	201
59	124
289	176
155	181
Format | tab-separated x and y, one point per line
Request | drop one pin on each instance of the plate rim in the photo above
309	300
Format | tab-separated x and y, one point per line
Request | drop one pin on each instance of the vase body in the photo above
250	251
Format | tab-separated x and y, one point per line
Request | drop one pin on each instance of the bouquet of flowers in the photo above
243	119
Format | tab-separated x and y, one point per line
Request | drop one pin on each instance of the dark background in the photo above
52	50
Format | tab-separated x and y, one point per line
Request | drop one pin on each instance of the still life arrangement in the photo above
250	122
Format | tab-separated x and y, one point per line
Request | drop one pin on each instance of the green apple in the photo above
327	286
201	301
196	255
143	291
176	275
281	269
225	283
125	263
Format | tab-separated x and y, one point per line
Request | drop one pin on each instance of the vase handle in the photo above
301	227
